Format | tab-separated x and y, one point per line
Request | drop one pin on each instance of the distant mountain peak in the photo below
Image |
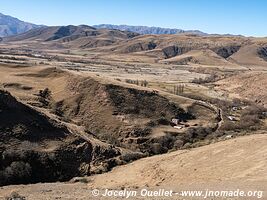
148	30
11	26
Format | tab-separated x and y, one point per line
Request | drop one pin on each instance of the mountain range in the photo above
180	49
148	30
173	46
12	26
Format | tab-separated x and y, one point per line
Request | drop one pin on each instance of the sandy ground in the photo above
235	164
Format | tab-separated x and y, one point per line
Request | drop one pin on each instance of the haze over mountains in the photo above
148	30
82	36
12	26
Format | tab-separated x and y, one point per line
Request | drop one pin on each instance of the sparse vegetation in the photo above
178	89
142	83
44	97
84	180
250	119
129	157
211	78
15	196
16	173
46	93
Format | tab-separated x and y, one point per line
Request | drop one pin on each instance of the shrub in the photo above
15	196
250	119
187	145
237	102
212	78
140	132
163	121
83	180
45	96
157	148
196	134
254	110
128	157
16	173
46	93
143	83
165	141
178	144
228	126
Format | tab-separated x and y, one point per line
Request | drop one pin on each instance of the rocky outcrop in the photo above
137	47
172	51
263	53
227	51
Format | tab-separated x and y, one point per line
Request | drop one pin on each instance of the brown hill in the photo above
35	148
212	50
118	115
249	55
224	166
204	57
135	118
249	85
206	50
231	162
75	36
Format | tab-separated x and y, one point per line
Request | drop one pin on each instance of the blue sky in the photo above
246	17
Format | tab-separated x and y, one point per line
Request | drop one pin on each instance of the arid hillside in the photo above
98	108
227	161
250	85
32	146
232	164
82	36
217	50
116	123
183	49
